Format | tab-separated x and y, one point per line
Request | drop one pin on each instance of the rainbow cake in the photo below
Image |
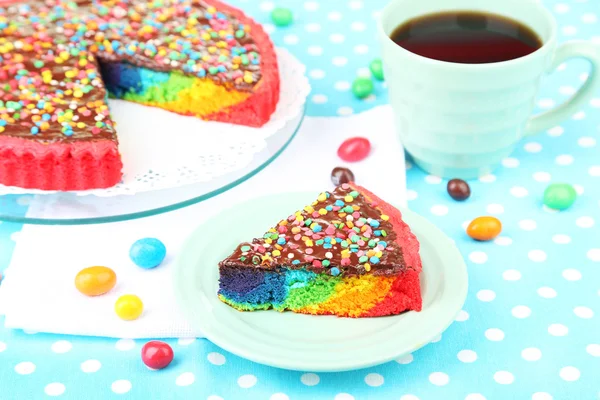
347	254
60	60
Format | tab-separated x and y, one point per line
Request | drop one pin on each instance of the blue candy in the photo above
148	253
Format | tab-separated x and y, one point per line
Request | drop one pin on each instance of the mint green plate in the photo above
305	342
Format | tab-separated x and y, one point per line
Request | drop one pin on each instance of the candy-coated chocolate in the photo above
282	16
484	228
458	189
129	307
559	196
157	355
362	87
376	68
148	253
341	175
354	149
94	281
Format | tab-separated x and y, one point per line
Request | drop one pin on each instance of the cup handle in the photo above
572	49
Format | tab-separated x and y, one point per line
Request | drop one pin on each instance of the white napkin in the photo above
38	292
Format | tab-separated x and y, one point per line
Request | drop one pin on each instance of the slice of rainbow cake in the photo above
348	254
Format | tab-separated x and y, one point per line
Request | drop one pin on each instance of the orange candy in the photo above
484	228
94	281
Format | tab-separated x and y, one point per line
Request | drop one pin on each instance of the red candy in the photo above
354	149
157	355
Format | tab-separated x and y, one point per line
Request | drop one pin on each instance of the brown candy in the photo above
458	189
341	175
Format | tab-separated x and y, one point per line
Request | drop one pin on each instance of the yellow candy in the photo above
348	199
384	217
94	281
129	307
322	197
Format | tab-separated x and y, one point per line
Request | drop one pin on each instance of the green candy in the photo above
376	68
559	196
362	87
282	16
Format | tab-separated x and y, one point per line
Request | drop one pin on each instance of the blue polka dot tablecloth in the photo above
530	328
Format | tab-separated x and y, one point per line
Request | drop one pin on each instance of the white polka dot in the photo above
364	72
462	316
558	330
267	6
541	396
593	350
545	103
594	170
439	210
579	189
374	380
406	359
247	381
542	177
510	162
409	397
411	195
561	239
361	49
556	131
315	50
214	397
343	396
511	275
439	378
503	241
527	224
495	208
355	5
589	18
334	16
319	99
90	366
531	354
478	257
279	396
586	141
594	255
564	159
486	295
25	368
310	379
465	225
537	255
358	26
291	39
467	356
317	74
546	292
185	379
489	178
583	312
518	191
121	386
585	222
494	334
504	377
579	115
62	346
345	110
437	338
475	396
337	38
125	344
569	374
521	312
186	341
567	90
569	30
595	102
216	358
2	346
312	27
532	147
269	28
571	274
311	5
432	179
342	85
339	61
54	389
561	8
24	200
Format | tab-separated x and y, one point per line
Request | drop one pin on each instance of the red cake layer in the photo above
258	108
406	290
78	165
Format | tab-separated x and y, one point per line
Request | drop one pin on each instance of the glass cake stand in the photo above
80	210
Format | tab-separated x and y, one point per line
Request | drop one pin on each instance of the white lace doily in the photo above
162	150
